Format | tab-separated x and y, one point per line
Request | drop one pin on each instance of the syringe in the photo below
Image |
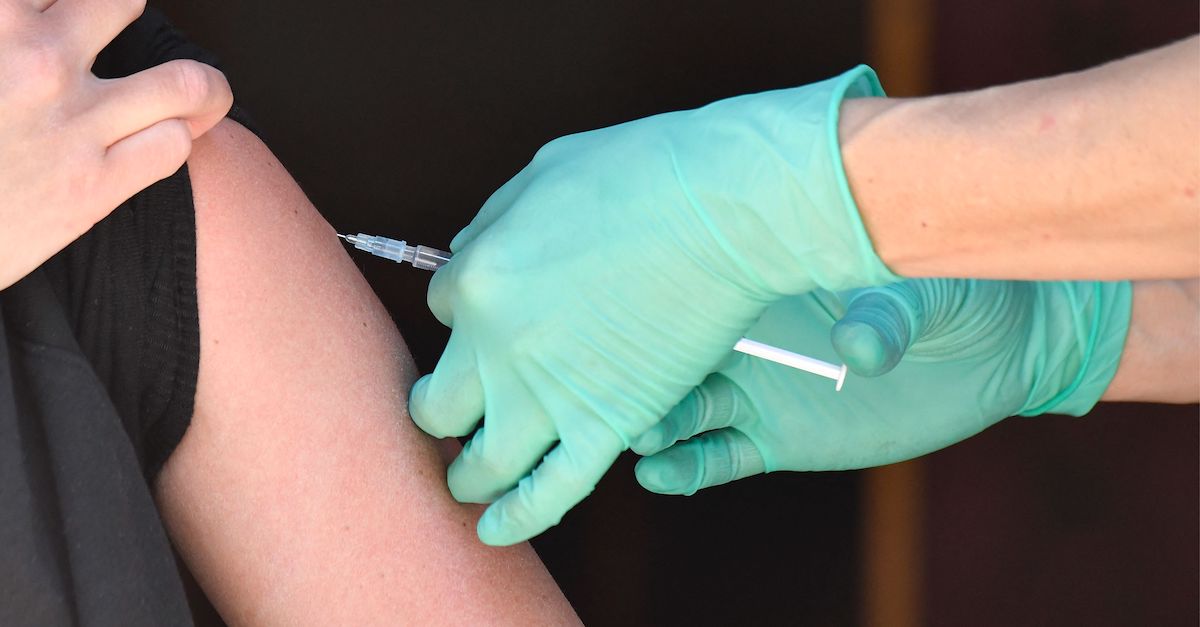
427	258
398	250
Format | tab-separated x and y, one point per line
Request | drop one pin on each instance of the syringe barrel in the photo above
385	247
430	259
400	251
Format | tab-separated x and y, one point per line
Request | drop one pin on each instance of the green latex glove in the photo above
974	352
605	280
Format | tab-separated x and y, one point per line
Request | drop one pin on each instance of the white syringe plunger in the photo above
795	360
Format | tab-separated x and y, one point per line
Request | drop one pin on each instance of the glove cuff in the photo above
1102	310
842	256
792	196
859	82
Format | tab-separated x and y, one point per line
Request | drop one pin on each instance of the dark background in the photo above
401	118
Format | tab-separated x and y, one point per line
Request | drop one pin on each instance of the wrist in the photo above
1160	358
964	184
1036	180
894	155
814	235
865	164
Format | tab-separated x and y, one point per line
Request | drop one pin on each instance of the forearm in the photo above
1092	175
1161	360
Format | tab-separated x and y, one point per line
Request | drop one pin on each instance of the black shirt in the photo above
98	363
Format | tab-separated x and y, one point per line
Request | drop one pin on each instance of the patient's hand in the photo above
72	146
302	493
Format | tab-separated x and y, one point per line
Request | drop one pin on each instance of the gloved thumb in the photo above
879	326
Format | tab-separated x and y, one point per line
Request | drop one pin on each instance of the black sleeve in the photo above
99	351
129	284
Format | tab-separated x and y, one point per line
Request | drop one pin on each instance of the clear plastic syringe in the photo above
427	258
398	250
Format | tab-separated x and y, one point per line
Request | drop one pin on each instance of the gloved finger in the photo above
714	404
879	326
438	297
497	457
567	474
704	461
468	278
449	402
492	209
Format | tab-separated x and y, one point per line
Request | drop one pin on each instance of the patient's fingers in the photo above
187	90
147	156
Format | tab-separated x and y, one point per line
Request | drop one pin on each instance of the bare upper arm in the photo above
302	493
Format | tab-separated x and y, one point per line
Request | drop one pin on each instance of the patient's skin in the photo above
302	494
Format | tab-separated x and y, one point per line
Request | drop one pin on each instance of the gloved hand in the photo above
974	352
605	280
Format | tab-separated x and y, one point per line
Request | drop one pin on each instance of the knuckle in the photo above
527	343
221	92
501	462
476	278
188	80
563	185
42	68
477	456
552	150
